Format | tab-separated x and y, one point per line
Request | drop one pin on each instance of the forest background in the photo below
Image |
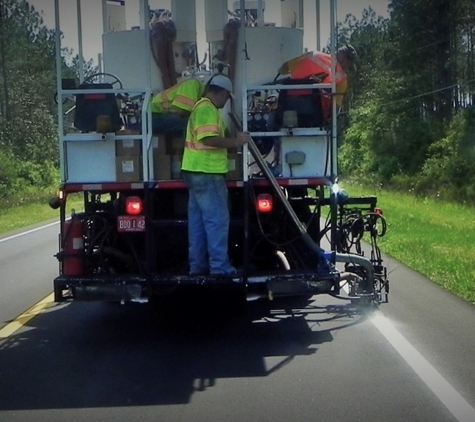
408	122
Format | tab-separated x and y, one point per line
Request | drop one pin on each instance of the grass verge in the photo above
435	238
14	217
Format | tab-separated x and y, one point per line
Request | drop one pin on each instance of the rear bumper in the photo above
127	288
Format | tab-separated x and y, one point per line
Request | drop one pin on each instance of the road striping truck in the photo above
293	232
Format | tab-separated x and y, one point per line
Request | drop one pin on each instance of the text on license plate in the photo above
131	223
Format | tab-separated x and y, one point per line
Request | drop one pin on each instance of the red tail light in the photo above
378	211
265	202
133	205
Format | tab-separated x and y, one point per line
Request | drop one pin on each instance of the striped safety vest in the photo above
205	121
324	62
317	64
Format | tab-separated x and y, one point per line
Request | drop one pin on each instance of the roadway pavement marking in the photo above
455	403
20	321
28	232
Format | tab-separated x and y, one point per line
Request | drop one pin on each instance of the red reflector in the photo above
265	202
133	205
378	211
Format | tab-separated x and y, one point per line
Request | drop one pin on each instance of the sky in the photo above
92	19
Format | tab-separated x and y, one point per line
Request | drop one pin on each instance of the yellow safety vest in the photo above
183	95
205	121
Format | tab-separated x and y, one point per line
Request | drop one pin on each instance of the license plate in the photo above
130	223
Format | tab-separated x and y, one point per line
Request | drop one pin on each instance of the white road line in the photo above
447	394
28	232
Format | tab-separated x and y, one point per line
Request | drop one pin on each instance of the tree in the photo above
28	133
415	80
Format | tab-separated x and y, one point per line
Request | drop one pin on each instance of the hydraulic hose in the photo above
364	262
278	191
361	260
273	182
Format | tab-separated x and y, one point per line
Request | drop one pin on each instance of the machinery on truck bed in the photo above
293	232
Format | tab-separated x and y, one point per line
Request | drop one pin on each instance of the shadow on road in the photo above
86	355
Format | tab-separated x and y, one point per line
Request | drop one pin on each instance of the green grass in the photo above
435	238
23	215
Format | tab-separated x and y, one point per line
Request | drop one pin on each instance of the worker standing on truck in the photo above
171	108
204	166
317	66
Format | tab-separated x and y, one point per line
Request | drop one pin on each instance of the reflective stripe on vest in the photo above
197	145
324	61
185	100
204	129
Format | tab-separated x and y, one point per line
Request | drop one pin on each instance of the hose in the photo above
364	262
361	260
283	259
278	191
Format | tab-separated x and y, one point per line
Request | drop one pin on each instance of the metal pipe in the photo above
81	56
59	88
242	12
301	14
243	106
105	22
361	260
318	29
260	13
148	61
99	63
333	165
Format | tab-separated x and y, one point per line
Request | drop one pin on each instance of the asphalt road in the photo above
412	359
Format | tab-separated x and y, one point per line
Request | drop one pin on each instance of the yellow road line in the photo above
19	322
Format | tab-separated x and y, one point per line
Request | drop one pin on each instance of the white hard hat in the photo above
223	82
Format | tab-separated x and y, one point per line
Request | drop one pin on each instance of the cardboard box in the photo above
129	169
159	144
161	165
176	166
175	145
128	147
234	166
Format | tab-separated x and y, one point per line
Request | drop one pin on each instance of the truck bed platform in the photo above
140	287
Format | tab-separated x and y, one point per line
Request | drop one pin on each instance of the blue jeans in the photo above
208	223
168	123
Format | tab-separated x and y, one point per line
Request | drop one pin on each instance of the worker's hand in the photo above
243	137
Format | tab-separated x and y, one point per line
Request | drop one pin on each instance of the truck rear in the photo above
292	232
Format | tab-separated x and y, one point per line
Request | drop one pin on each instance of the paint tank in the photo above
266	48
